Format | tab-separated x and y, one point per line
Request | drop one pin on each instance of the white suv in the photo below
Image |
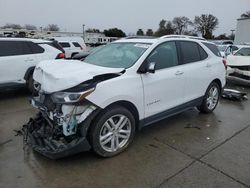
124	86
71	45
19	56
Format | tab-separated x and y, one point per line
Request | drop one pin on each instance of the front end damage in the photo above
59	130
239	74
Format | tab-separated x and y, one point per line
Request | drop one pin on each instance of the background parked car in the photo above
19	56
83	54
239	66
227	49
71	45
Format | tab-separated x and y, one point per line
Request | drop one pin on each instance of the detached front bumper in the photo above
47	140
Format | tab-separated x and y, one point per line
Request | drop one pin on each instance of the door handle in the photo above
27	60
179	73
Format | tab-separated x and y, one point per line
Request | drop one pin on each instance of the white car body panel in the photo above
64	74
233	60
13	68
144	91
159	98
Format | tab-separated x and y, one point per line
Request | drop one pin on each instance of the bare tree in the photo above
206	24
52	27
12	26
181	24
140	32
149	32
30	27
245	15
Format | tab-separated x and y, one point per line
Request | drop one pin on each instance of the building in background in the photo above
242	35
90	38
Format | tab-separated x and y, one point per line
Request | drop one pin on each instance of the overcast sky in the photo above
128	15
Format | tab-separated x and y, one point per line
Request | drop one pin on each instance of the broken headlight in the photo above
70	97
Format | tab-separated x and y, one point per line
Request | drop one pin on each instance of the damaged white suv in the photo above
124	86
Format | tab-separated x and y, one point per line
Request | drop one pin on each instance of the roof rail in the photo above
182	36
140	37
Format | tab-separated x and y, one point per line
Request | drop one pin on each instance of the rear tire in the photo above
211	98
112	131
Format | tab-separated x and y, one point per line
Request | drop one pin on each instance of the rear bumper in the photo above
43	138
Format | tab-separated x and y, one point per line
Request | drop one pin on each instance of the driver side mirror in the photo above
151	67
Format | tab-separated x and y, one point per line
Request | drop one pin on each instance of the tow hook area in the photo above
48	139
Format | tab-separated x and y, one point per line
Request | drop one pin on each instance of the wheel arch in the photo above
218	82
28	73
129	106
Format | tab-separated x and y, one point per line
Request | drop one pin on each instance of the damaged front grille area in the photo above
47	138
235	74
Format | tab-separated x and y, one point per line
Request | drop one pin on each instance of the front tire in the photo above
32	85
211	98
112	131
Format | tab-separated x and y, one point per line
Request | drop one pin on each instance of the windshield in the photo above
117	55
243	52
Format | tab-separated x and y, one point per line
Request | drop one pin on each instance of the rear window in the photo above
76	44
213	48
56	45
36	49
64	44
192	52
12	48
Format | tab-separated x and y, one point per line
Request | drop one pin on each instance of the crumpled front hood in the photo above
238	60
57	75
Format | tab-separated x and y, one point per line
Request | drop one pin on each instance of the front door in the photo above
163	89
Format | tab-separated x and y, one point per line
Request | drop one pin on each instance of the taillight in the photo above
60	56
224	62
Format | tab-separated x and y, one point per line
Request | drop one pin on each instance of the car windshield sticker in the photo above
142	45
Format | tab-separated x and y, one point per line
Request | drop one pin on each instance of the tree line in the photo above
204	25
50	27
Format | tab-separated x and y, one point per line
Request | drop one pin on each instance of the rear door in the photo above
15	58
163	90
197	67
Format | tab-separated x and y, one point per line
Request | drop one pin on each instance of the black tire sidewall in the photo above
98	124
204	108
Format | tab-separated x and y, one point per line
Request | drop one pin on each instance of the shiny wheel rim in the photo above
213	96
115	133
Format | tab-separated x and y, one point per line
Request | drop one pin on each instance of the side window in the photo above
190	52
76	44
234	48
12	48
64	44
203	53
36	49
165	56
25	47
213	48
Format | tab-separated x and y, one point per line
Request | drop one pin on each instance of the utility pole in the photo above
83	32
